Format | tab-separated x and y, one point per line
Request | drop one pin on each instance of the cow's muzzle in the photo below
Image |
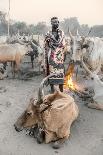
18	129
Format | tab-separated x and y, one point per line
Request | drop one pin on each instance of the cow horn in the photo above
70	34
86	68
77	33
19	41
98	68
38	47
34	44
40	91
89	31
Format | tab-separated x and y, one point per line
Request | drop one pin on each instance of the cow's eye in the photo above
29	113
46	102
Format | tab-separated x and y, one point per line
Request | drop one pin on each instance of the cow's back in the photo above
7	52
11	52
62	112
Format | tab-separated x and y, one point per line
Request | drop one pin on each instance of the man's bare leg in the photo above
61	87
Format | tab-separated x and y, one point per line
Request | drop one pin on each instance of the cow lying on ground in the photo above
53	113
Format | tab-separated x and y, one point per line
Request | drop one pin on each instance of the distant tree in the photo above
41	28
31	29
84	29
3	17
71	23
97	31
3	23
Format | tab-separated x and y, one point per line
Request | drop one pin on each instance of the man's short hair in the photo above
54	18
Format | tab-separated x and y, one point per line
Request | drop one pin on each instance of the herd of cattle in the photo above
50	117
88	48
14	49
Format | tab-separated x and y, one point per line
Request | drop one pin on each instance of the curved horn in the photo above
98	68
19	41
86	68
89	31
38	47
70	34
34	44
77	33
40	91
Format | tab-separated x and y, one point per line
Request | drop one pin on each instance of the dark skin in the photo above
55	25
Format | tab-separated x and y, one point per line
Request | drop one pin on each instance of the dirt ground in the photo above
86	133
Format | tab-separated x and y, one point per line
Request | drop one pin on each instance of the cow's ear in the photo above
83	39
31	100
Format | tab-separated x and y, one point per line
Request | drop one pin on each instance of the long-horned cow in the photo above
90	48
53	113
13	53
97	86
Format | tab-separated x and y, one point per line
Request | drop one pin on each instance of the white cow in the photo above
90	48
97	86
13	53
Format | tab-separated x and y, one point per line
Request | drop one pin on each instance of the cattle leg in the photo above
57	144
63	135
77	73
39	68
95	105
50	136
4	65
13	69
32	59
16	68
11	63
61	87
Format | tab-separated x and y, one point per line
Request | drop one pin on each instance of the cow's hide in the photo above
57	119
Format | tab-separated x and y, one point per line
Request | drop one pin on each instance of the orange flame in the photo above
68	82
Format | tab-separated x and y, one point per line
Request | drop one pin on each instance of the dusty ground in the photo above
86	133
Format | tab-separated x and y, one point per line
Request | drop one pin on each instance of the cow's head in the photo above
93	74
31	116
28	47
76	46
28	118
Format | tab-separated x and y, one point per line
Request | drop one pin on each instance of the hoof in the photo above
56	145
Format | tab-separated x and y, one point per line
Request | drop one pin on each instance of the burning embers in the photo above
68	82
72	87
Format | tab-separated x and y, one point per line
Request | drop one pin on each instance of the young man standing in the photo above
54	55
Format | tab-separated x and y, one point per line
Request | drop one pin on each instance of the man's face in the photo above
55	23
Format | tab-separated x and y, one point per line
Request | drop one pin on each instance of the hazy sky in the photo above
31	11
